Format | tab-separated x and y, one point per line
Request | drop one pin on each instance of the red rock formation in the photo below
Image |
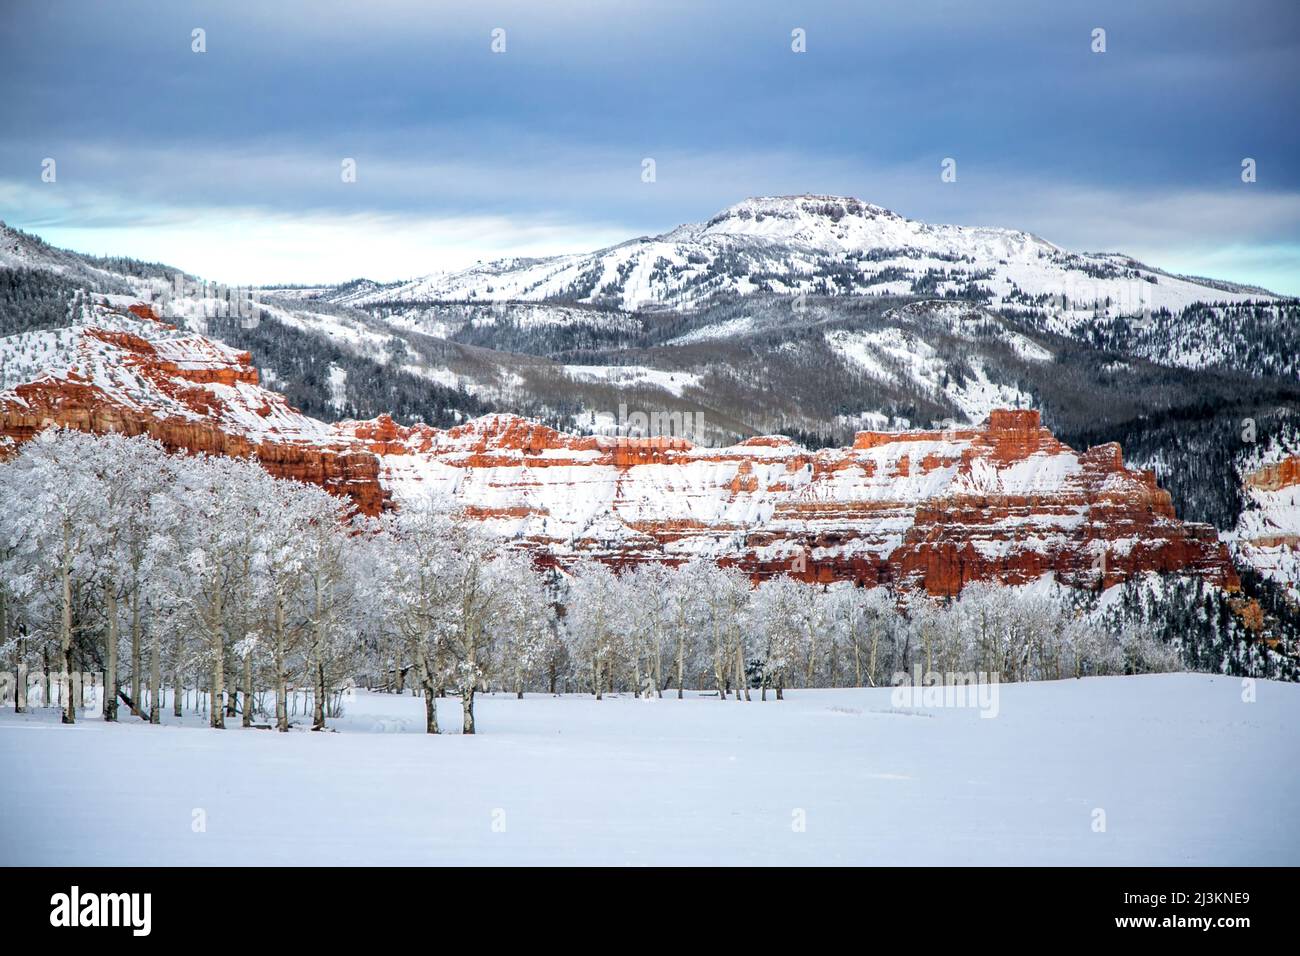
194	395
1274	477
935	510
1268	533
1005	502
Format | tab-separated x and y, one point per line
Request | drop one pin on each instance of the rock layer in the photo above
192	394
1268	532
936	510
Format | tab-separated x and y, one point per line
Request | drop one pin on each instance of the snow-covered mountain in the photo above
930	347
821	245
115	275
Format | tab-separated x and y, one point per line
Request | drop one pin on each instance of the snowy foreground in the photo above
1184	770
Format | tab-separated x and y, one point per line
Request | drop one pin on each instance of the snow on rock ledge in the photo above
1268	532
937	510
190	393
922	509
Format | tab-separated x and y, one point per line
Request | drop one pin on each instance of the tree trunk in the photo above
155	677
20	691
637	687
248	689
430	711
216	712
4	639
69	708
742	679
681	665
110	678
658	668
467	709
20	658
430	699
178	692
135	653
281	678
318	705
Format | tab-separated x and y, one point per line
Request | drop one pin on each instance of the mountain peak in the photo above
824	245
812	205
808	219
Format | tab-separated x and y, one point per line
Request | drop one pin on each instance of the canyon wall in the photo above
192	394
1004	501
937	510
1267	536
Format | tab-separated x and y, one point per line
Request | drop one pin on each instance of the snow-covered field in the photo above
1184	770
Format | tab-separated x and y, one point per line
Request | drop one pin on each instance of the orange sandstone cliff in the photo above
1004	501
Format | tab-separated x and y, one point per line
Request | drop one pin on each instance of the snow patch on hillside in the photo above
718	330
629	376
899	355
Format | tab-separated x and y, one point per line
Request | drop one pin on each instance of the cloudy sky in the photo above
228	162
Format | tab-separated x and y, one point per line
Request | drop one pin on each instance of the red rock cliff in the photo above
936	510
1005	502
192	394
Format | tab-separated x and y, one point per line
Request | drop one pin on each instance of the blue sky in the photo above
227	163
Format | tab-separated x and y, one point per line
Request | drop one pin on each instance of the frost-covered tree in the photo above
50	519
592	622
291	585
686	610
416	569
327	604
779	615
526	622
210	506
477	597
648	611
728	596
134	469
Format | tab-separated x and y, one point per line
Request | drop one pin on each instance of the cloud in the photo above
540	149
244	213
254	247
418	220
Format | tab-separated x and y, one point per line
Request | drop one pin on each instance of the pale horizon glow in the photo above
328	250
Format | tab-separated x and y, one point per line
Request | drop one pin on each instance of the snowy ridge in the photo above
894	355
931	509
145	367
820	245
